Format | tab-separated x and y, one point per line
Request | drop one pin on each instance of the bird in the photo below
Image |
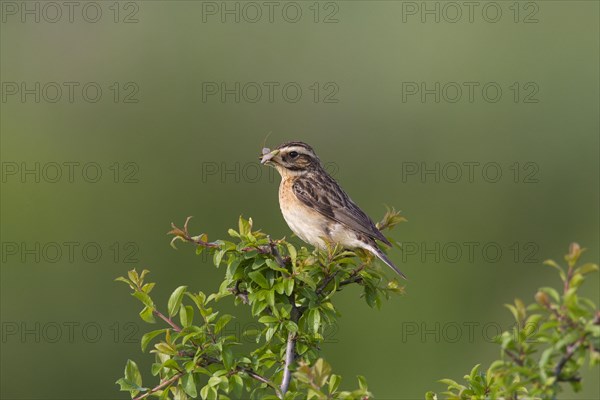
316	208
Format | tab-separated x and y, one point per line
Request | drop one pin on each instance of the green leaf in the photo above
587	268
279	287
274	265
553	264
186	315
474	371
233	233
293	253
128	386
258	307
314	320
214	381
430	396
237	385
204	392
147	315
513	311
545	357
267	319
218	257
362	382
133	276
270	332
144	298
189	385
334	382
551	292
259	278
164	348
175	300
198	299
244	226
147	288
132	373
451	384
222	322
125	280
291	326
171	364
288	286
270	296
227	356
149	336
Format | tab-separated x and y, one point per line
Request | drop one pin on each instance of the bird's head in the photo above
291	158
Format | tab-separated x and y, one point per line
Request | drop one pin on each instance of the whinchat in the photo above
316	208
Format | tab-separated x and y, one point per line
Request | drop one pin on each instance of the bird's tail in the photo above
381	255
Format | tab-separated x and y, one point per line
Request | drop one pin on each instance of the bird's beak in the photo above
268	155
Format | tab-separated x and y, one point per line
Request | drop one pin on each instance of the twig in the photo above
169	321
184	234
242	294
262	379
514	357
275	253
563	361
162	385
326	282
354	277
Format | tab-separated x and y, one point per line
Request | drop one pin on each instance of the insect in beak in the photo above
267	155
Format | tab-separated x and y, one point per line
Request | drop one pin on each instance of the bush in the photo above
289	291
547	347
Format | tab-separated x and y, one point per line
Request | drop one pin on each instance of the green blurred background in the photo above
67	328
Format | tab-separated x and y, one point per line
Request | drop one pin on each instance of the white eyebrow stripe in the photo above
298	149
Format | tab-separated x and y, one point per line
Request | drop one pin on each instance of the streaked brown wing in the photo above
323	194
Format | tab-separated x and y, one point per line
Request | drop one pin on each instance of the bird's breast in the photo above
308	224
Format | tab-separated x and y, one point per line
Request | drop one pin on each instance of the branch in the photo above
326	282
184	235
262	379
514	357
275	253
354	277
290	349
162	385
563	361
242	294
169	321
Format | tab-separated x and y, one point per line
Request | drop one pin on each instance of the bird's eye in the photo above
293	154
